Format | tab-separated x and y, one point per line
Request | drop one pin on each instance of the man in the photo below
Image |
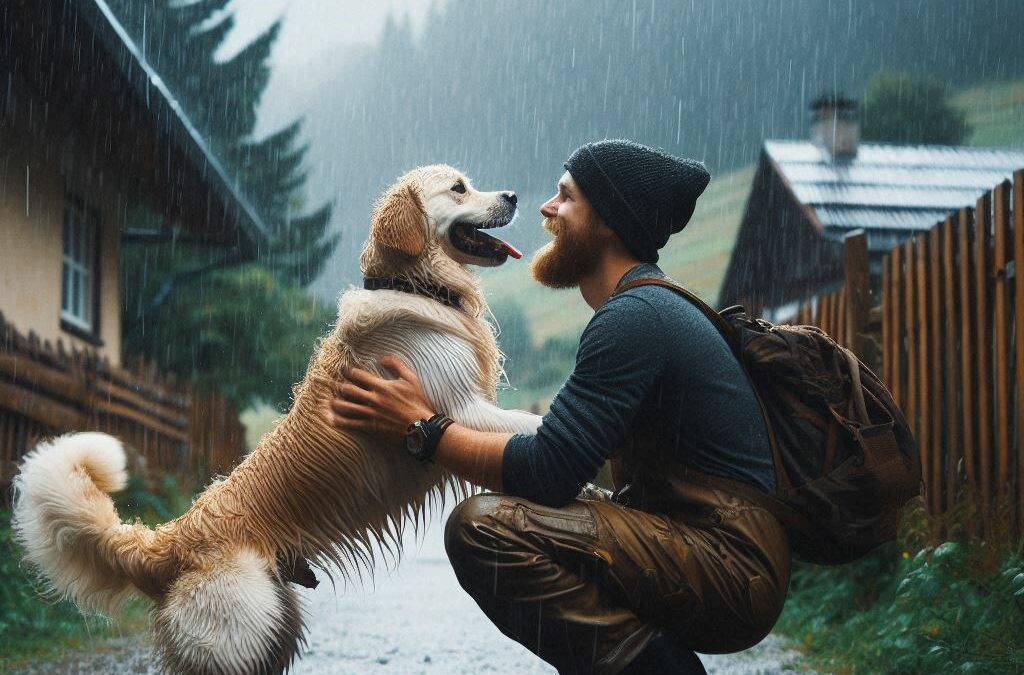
669	566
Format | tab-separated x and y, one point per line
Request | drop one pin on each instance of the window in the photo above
80	281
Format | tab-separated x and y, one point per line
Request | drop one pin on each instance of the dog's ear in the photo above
399	221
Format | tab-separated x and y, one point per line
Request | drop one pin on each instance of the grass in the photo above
995	112
909	607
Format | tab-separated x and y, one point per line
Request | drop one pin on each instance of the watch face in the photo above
416	437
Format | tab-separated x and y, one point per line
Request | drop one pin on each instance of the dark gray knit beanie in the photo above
643	194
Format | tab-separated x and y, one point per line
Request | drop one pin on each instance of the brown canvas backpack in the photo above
845	459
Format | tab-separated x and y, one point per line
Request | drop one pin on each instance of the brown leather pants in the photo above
586	586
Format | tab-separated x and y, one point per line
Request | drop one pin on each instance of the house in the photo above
808	195
89	132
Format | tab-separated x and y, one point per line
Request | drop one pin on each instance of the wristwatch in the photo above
422	437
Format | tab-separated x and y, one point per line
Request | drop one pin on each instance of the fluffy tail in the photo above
233	615
69	528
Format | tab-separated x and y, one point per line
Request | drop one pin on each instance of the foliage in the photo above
535	372
181	40
954	607
30	622
899	108
242	332
226	323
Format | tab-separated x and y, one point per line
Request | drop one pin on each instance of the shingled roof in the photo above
885	187
805	200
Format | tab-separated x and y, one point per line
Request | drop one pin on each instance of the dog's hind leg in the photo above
233	617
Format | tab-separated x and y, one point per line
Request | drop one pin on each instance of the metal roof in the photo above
153	90
890	187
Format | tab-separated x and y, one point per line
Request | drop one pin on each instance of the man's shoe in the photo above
663	655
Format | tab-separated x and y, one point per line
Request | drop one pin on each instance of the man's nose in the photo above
548	208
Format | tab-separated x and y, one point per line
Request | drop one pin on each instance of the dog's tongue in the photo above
511	250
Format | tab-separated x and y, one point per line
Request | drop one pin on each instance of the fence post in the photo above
1018	318
858	290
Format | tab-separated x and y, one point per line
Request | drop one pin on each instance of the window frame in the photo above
88	218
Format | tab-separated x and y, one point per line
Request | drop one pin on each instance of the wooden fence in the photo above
47	390
951	322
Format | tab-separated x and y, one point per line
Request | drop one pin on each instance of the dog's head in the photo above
437	207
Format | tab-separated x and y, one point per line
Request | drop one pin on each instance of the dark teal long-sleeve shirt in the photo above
647	357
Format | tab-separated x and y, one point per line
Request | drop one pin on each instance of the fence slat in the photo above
922	270
887	321
858	287
910	318
934	366
1000	326
969	406
950	359
897	294
983	346
841	317
1018	318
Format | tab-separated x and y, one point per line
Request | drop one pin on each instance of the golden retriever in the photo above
219	575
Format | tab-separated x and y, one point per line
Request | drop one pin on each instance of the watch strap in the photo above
435	428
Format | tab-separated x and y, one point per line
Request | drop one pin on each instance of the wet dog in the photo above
219	576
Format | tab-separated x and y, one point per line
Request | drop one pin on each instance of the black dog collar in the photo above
442	294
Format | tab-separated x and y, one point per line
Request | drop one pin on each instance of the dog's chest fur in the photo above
364	316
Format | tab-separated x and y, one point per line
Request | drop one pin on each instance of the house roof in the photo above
105	106
888	187
148	84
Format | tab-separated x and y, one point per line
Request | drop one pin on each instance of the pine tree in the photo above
241	327
180	41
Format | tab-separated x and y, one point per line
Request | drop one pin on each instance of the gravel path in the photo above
413	620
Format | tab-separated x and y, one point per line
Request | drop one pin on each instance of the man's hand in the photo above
385	407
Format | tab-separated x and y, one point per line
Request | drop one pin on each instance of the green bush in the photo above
952	608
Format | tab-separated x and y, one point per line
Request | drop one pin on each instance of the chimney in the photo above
835	126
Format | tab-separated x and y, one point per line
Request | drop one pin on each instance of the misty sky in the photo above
312	30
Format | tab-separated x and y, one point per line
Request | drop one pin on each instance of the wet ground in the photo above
412	620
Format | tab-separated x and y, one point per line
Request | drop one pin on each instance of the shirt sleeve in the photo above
621	354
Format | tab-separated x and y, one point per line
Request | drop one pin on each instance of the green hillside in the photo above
995	112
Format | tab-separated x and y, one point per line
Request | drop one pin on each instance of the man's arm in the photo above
620	354
386	407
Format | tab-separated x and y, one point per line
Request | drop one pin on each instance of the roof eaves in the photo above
109	29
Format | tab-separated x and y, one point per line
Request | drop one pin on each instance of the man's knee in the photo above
462	532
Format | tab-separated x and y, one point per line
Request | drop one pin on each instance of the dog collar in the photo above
442	294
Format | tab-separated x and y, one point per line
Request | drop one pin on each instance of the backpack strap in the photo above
783	484
721	324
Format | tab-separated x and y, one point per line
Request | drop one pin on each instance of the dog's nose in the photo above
510	197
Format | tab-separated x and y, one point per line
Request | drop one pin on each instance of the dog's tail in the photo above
70	530
233	614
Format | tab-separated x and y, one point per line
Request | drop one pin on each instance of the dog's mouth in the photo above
468	238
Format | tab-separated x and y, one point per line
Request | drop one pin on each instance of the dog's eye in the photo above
459	187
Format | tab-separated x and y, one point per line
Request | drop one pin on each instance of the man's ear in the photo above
399	221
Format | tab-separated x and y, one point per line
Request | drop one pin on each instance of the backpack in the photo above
845	459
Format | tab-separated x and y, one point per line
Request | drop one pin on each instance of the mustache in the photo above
554	225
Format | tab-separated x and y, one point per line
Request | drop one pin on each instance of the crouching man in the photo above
668	567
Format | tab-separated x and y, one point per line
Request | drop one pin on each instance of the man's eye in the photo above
459	187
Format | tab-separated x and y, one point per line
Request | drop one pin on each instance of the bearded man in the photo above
638	581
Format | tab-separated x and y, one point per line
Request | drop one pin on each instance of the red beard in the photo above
573	255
